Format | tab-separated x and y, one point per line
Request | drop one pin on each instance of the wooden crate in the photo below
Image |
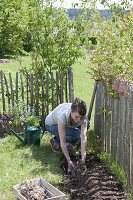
53	193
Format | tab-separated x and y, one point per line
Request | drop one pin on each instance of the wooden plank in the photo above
52	89
11	88
7	92
127	139
66	88
108	127
2	92
31	92
122	130
61	88
118	131
114	128
57	88
92	100
36	95
43	110
102	119
22	88
97	116
107	122
71	85
27	89
131	139
16	87
47	93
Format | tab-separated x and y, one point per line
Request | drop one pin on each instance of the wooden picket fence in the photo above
41	93
113	124
44	93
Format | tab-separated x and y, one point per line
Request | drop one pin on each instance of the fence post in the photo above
71	85
131	140
97	110
11	86
92	100
17	87
2	91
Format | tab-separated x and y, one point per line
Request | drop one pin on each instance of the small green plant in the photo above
19	116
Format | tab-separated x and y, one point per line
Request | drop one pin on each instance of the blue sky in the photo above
68	3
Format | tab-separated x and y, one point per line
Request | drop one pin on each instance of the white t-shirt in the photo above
62	113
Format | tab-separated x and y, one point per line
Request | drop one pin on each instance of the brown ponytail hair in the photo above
79	106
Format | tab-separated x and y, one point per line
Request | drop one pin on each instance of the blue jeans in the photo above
72	134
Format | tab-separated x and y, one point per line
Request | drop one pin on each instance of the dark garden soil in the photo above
93	181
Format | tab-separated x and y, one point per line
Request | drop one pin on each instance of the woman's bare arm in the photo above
62	135
83	142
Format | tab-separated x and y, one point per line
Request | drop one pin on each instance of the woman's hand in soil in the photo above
82	165
71	167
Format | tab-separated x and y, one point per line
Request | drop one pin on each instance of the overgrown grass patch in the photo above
114	167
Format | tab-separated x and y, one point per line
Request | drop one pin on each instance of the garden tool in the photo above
32	134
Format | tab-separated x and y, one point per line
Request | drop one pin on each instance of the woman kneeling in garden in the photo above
68	123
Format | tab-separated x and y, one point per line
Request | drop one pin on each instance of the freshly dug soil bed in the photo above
95	181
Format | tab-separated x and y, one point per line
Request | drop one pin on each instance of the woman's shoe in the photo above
54	145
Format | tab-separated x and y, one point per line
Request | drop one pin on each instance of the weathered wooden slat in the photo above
102	119
61	88
66	88
31	91
131	139
114	127
7	91
92	100
52	89
97	125
11	88
105	122
57	88
43	97
108	133
47	92
37	95
17	87
71	85
123	129
22	88
2	92
27	89
127	139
